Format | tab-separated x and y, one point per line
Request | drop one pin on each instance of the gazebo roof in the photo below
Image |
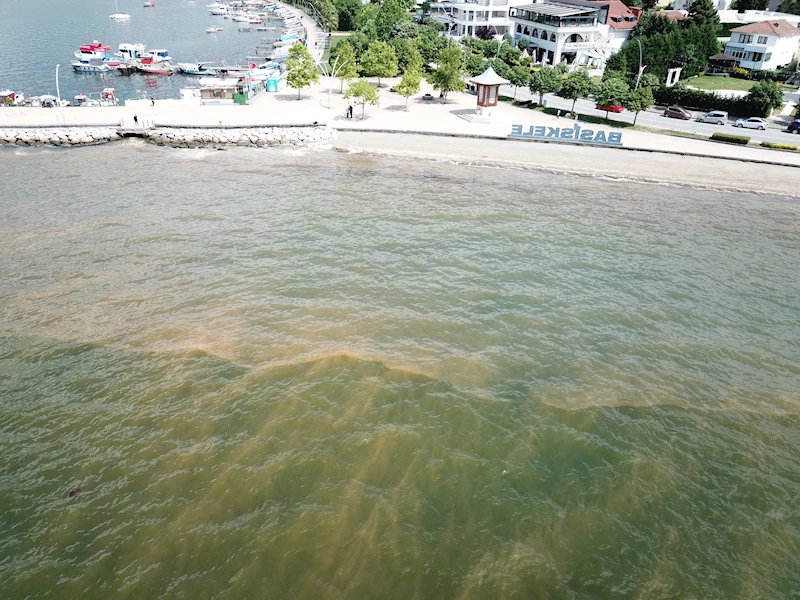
489	77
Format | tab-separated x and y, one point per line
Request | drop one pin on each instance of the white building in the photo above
578	32
468	17
764	45
755	16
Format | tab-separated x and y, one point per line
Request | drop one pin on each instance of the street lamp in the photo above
331	73
641	68
58	95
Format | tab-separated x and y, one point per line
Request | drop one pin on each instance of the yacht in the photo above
199	68
90	65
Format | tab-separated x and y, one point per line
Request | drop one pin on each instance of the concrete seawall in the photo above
169	136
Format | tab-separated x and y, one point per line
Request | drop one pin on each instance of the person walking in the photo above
135	120
152	101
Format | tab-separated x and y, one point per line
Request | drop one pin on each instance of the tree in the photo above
500	68
448	76
408	56
347	68
638	100
545	81
651	24
610	93
702	13
379	61
362	92
764	97
390	13
518	76
523	43
577	85
790	6
348	13
409	84
429	42
300	67
474	64
743	5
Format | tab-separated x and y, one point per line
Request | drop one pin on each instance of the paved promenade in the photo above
659	157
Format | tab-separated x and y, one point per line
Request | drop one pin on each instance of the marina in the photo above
147	73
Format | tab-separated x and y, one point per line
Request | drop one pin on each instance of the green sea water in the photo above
308	374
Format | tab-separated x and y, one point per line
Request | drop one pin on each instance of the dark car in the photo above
610	108
794	127
676	112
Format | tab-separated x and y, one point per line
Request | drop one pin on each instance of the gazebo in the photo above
488	88
721	63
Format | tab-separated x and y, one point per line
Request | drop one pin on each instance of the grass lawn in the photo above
720	83
336	37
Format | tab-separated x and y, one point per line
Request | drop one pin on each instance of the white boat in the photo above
119	16
131	52
90	65
150	3
158	56
213	29
199	68
48	101
93	50
218	10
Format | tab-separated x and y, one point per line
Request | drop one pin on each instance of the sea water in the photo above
305	374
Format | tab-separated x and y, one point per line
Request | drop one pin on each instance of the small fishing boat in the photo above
213	29
105	98
148	67
150	3
199	68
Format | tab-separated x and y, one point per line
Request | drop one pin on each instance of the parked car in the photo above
794	127
715	117
610	108
752	123
676	112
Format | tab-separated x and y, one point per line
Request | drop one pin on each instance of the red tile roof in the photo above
779	27
622	17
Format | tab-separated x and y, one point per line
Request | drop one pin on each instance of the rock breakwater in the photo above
251	136
58	136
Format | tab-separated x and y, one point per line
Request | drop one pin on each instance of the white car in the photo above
752	123
715	117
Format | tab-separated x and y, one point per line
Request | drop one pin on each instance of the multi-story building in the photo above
579	32
764	45
468	17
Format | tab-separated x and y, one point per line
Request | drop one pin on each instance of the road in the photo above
656	119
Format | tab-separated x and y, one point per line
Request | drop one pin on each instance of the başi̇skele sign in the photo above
576	133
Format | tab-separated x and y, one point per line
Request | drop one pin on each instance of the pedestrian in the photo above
152	101
350	111
135	120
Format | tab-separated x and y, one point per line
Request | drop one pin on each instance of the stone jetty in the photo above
58	136
250	136
184	137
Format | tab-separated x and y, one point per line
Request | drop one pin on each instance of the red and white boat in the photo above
151	67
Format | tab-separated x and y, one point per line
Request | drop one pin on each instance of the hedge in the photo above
778	146
731	139
700	100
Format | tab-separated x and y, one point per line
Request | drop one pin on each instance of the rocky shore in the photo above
58	136
168	136
251	136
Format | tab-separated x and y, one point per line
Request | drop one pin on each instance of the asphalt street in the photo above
655	118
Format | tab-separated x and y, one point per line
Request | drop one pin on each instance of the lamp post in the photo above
331	73
58	95
641	68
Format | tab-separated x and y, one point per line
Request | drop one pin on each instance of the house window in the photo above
767	56
735	51
762	39
218	94
745	39
758	56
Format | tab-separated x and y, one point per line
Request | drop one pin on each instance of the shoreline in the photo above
660	168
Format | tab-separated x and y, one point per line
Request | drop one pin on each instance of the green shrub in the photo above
731	139
741	73
778	146
705	101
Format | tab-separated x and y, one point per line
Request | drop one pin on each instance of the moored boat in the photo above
119	16
199	68
148	67
90	65
10	98
213	29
